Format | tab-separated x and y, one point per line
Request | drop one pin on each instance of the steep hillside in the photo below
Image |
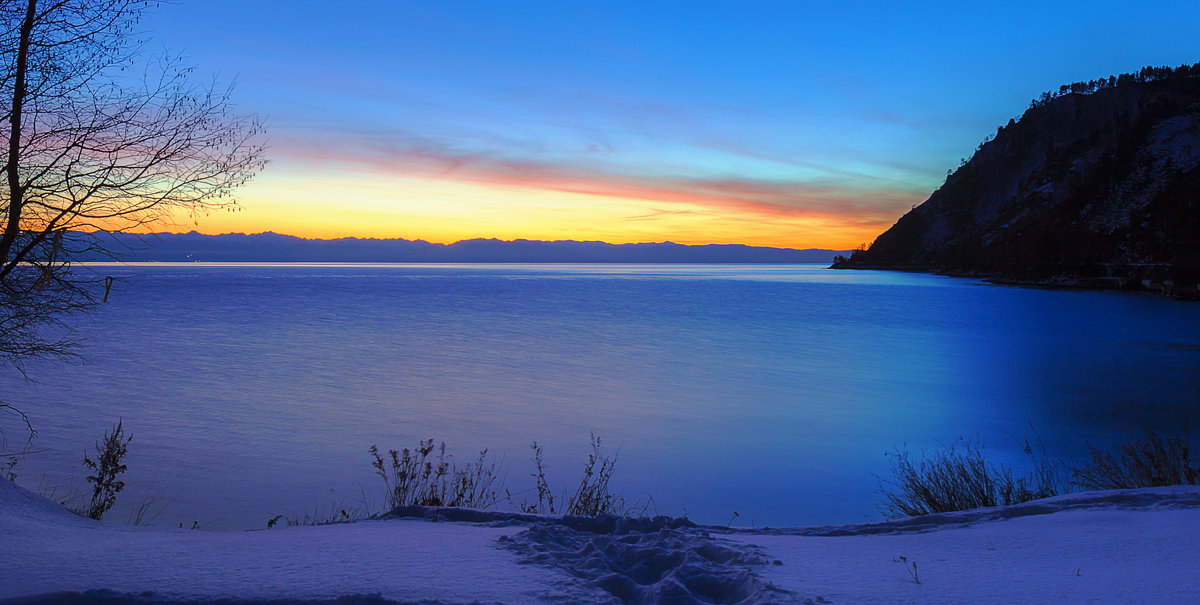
1094	188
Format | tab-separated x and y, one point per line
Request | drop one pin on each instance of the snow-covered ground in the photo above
1134	546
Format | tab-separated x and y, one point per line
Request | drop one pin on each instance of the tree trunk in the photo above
16	192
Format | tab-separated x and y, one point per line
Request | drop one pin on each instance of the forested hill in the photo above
1096	185
274	247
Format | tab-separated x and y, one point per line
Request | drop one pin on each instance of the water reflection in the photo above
768	390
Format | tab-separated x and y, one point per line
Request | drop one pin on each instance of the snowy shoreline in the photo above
1123	546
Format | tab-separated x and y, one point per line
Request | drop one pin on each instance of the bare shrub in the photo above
1153	461
545	496
421	478
108	466
591	497
959	477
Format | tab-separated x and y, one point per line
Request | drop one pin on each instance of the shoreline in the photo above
1122	278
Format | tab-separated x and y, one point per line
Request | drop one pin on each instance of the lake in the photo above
770	391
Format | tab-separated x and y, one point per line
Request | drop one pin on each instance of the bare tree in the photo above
101	138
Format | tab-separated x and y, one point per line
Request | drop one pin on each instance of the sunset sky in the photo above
795	124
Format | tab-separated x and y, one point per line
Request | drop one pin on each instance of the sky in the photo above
792	124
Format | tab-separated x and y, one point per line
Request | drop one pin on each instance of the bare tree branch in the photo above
100	139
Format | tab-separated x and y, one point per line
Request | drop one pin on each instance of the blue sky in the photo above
765	122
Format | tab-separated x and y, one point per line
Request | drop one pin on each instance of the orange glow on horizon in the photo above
323	205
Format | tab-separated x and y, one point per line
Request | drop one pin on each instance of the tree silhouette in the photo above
1143	75
100	139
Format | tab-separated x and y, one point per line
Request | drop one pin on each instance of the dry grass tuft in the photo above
960	477
1153	461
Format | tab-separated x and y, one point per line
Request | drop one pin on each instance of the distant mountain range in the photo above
274	247
1097	186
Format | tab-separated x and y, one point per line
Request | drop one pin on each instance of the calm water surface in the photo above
772	391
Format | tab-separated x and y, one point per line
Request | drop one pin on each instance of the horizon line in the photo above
473	239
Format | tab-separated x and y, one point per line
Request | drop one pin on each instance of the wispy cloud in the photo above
410	155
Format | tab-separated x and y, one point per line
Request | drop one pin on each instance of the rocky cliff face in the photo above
1096	189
